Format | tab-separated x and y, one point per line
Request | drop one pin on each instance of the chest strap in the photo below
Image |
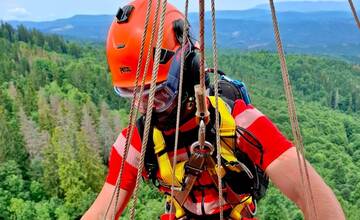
187	172
165	167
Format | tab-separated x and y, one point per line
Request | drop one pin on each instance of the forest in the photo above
59	117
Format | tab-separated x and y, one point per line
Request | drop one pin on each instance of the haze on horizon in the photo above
45	10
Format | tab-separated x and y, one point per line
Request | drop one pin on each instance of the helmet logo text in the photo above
125	69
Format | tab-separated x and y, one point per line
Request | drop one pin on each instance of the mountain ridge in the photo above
316	32
308	6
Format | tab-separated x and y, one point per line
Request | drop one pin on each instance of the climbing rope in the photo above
202	42
138	94
178	110
132	115
217	121
292	113
150	106
352	6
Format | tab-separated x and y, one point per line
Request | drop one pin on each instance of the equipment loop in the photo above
207	149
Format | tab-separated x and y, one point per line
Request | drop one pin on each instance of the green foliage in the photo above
11	142
11	185
35	37
150	204
59	116
331	82
50	153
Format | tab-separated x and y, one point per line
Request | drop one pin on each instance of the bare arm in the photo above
98	208
285	174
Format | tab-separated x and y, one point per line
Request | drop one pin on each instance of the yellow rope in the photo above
150	107
292	113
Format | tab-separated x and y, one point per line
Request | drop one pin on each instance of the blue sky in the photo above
43	10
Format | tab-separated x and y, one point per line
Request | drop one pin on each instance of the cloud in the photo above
18	12
64	28
235	34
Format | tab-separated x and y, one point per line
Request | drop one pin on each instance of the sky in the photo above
45	10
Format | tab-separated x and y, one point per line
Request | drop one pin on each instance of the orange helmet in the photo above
124	42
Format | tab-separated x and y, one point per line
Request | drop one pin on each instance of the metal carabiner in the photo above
204	150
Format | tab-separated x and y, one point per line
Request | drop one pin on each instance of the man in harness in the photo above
253	150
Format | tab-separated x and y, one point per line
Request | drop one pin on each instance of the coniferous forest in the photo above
59	116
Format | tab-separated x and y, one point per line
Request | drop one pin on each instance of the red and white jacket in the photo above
246	116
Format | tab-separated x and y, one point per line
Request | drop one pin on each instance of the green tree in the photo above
23	34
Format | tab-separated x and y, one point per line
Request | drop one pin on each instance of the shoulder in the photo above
121	139
131	161
245	115
273	142
118	149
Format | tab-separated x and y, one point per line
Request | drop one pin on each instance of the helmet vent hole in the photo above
124	13
120	46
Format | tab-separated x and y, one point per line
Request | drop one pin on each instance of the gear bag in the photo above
229	89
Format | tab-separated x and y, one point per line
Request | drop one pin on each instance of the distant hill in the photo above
312	28
82	27
308	6
330	33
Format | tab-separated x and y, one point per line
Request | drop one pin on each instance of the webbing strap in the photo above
159	141
197	162
227	130
227	123
163	158
179	211
238	203
237	212
194	168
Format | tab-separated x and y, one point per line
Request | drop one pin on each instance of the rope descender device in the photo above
201	147
202	113
200	150
202	118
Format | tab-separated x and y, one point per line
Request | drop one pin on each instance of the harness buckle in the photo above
175	188
192	170
206	150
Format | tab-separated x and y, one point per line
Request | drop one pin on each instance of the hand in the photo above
98	209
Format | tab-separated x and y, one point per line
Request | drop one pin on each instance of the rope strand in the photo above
150	107
292	112
178	111
202	42
217	120
132	116
352	6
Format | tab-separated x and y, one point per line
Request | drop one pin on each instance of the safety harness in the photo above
236	166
